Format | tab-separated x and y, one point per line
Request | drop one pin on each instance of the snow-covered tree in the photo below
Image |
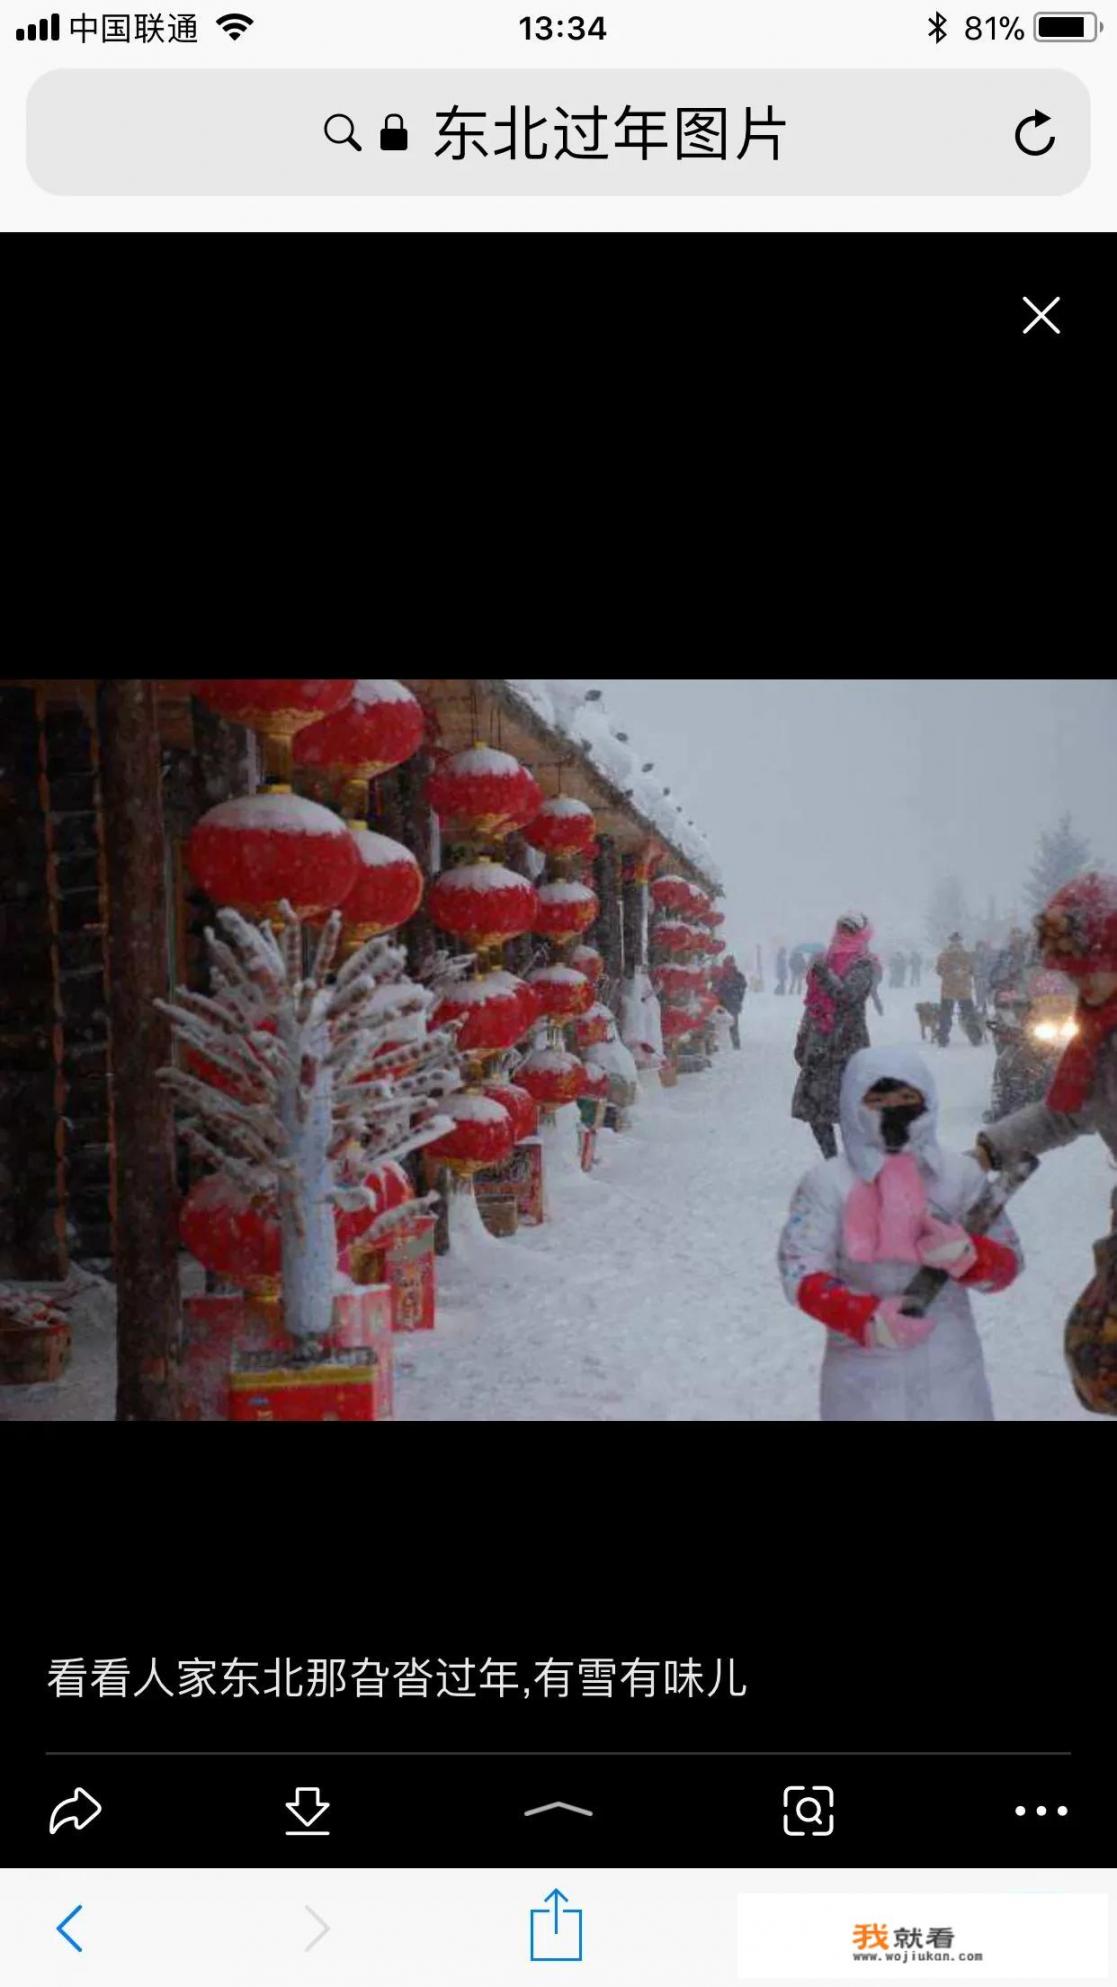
947	910
1061	855
304	1084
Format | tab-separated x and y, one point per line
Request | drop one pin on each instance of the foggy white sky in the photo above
820	796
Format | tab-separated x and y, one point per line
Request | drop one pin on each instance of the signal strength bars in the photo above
47	30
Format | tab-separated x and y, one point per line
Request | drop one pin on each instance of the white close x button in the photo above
1041	317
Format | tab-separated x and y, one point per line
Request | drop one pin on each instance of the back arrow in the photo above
1034	151
317	1940
65	1934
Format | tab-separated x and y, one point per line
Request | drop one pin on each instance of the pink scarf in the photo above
884	1218
846	947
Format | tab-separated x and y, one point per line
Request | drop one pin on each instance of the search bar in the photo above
362	132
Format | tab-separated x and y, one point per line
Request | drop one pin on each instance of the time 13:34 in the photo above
541	27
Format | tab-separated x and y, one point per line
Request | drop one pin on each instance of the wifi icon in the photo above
234	24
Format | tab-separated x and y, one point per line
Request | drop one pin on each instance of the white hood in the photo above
861	1133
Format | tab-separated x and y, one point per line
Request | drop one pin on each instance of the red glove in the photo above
995	1267
871	1322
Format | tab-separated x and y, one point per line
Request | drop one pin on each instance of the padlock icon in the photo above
393	136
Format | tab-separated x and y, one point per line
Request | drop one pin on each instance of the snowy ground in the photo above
653	1294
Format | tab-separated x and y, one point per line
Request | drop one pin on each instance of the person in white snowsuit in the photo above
860	1229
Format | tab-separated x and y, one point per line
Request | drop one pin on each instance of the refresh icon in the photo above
1037	118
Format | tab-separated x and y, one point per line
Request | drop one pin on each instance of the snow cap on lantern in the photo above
483	903
389	886
496	1010
563	992
483	792
520	1106
586	959
380	727
566	910
552	1077
483	1134
562	827
253	854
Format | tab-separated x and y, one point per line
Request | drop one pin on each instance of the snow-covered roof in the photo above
562	704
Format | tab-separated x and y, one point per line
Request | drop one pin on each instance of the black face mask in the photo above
895	1123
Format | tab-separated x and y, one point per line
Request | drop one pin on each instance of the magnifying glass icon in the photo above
802	1814
342	134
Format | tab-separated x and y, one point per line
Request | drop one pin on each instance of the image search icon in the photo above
808	1811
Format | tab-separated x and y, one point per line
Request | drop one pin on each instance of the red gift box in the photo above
527	1173
349	1387
409	1266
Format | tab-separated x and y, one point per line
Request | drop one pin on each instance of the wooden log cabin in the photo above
73	1066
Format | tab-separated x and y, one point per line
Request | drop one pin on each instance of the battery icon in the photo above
1066	27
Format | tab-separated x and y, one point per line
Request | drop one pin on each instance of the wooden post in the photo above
609	929
635	949
146	1253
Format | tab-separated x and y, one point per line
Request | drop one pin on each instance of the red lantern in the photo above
232	1235
483	793
483	1134
596	1026
552	1078
716	945
596	1084
381	726
715	919
566	910
588	961
254	853
681	1021
520	1106
671	893
674	937
391	1188
497	1010
388	890
483	903
678	981
562	992
563	827
278	706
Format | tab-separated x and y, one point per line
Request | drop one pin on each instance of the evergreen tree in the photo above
1061	855
947	911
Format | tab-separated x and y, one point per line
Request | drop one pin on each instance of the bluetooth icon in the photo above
938	27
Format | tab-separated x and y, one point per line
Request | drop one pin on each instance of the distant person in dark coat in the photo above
798	963
898	969
732	987
917	969
781	970
839	986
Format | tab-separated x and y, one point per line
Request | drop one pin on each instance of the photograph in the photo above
503	1050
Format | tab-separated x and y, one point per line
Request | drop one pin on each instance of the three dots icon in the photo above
1043	1811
